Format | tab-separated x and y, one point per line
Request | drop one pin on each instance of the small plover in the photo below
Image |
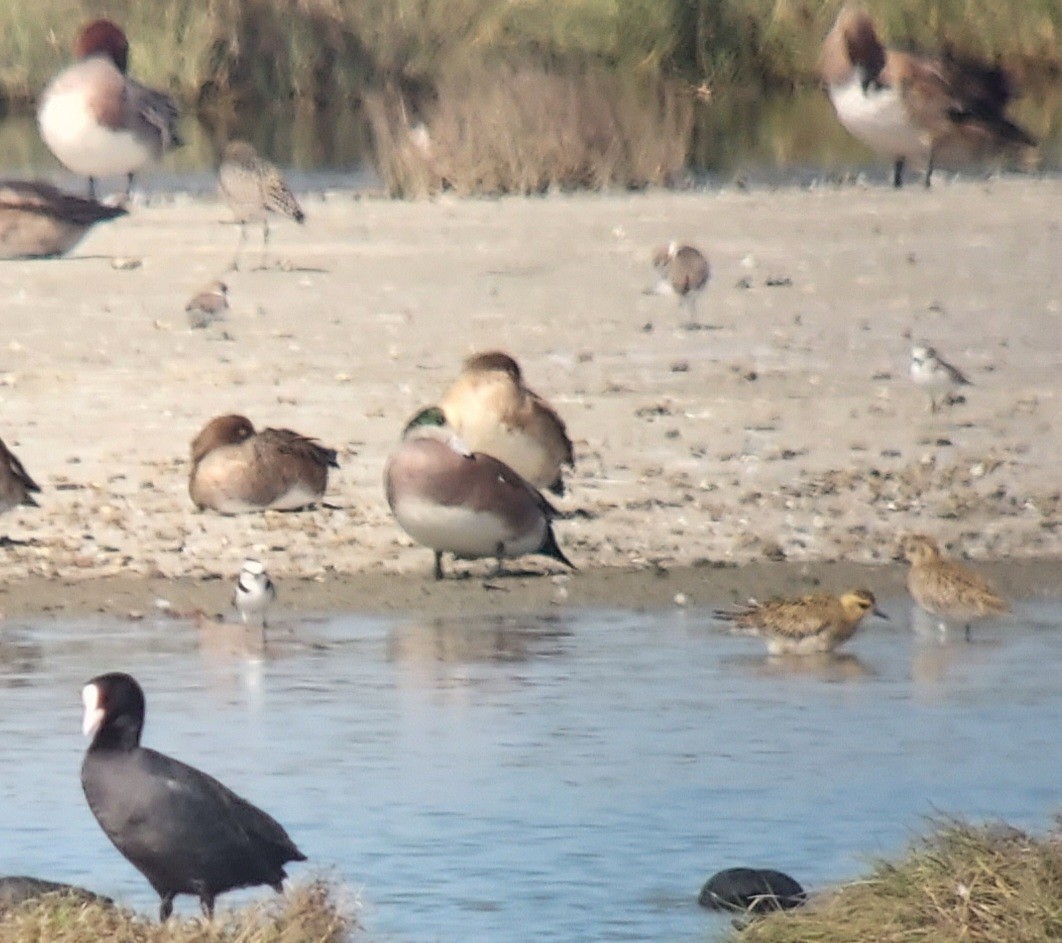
253	188
915	108
947	590
254	593
39	221
208	306
684	272
96	120
934	373
472	505
235	469
492	411
807	625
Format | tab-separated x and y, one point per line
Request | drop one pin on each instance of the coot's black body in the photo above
182	829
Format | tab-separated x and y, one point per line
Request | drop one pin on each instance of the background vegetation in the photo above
329	50
962	884
493	96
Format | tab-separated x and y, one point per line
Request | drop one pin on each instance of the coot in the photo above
182	829
756	890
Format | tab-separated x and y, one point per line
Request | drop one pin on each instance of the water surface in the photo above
575	776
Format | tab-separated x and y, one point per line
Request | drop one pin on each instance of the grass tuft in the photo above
525	130
962	884
308	913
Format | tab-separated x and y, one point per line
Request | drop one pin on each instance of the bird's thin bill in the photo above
90	696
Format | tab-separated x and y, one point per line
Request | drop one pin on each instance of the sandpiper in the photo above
492	411
914	108
208	306
254	593
467	503
39	221
947	590
253	188
807	625
683	271
235	469
96	120
930	370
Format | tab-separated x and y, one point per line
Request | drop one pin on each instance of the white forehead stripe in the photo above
90	697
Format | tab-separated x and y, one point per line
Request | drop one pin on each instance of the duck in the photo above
253	188
915	108
812	624
236	469
183	830
99	122
492	410
470	504
950	592
16	487
39	221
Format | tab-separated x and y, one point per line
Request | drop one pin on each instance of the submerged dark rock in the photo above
751	890
17	889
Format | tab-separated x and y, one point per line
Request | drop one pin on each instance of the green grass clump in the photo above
962	884
307	913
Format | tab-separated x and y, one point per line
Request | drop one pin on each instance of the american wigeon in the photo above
16	486
493	411
39	221
467	503
914	108
235	469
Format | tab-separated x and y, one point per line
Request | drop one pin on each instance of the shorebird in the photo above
235	469
914	108
492	411
807	625
208	306
39	221
684	272
457	501
96	120
254	593
16	486
947	590
930	370
253	188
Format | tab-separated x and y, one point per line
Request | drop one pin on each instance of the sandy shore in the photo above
785	430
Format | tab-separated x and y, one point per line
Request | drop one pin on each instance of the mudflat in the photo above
782	428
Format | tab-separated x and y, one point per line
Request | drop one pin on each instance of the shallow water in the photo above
774	138
575	776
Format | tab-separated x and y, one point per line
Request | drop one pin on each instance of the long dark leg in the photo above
206	902
265	242
969	637
897	173
166	907
499	556
239	248
438	565
128	187
929	167
92	188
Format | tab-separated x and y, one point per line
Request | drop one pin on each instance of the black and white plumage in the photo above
182	829
934	373
254	593
253	187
